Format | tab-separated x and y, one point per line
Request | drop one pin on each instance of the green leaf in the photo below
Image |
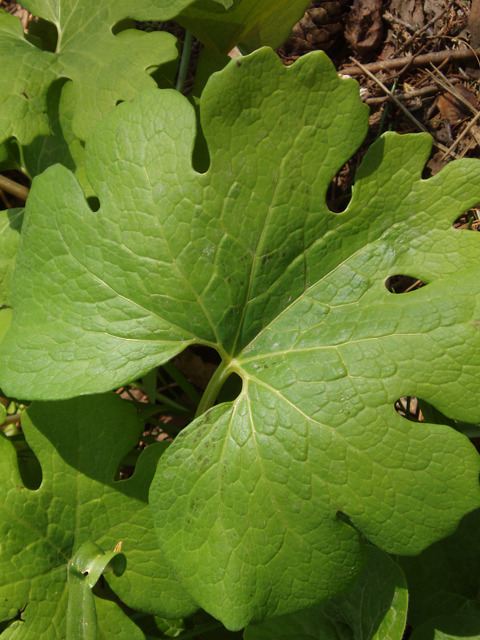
449	628
61	146
77	508
156	627
445	578
5	321
104	68
374	609
248	259
10	225
250	23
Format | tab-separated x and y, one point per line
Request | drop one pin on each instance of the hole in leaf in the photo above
93	203
403	284
119	102
470	220
409	407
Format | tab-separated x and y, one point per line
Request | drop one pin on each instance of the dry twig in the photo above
412	118
416	93
434	57
429	24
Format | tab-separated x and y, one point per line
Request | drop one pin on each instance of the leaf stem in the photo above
14	188
186	51
213	388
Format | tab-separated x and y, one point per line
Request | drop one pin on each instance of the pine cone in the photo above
318	29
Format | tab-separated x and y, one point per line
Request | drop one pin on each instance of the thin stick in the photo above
462	135
416	93
416	61
14	188
429	24
448	86
418	124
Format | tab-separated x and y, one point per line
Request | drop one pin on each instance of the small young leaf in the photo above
79	507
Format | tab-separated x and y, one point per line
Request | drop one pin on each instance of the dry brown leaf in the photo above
364	26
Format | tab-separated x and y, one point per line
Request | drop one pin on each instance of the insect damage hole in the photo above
469	221
93	203
403	284
409	407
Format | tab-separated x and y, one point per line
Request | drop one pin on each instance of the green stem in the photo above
213	389
23	167
186	51
14	188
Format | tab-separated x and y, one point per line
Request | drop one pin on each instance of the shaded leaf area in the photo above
444	580
79	444
104	67
249	23
248	259
454	627
375	608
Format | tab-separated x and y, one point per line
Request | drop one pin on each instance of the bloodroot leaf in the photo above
374	609
104	67
47	535
250	23
250	500
444	580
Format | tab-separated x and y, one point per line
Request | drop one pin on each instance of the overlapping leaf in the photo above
250	23
79	444
104	68
444	580
374	609
10	225
247	258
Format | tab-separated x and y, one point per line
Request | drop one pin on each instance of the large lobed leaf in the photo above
79	444
247	258
104	68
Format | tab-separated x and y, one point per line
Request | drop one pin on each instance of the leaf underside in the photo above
248	259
